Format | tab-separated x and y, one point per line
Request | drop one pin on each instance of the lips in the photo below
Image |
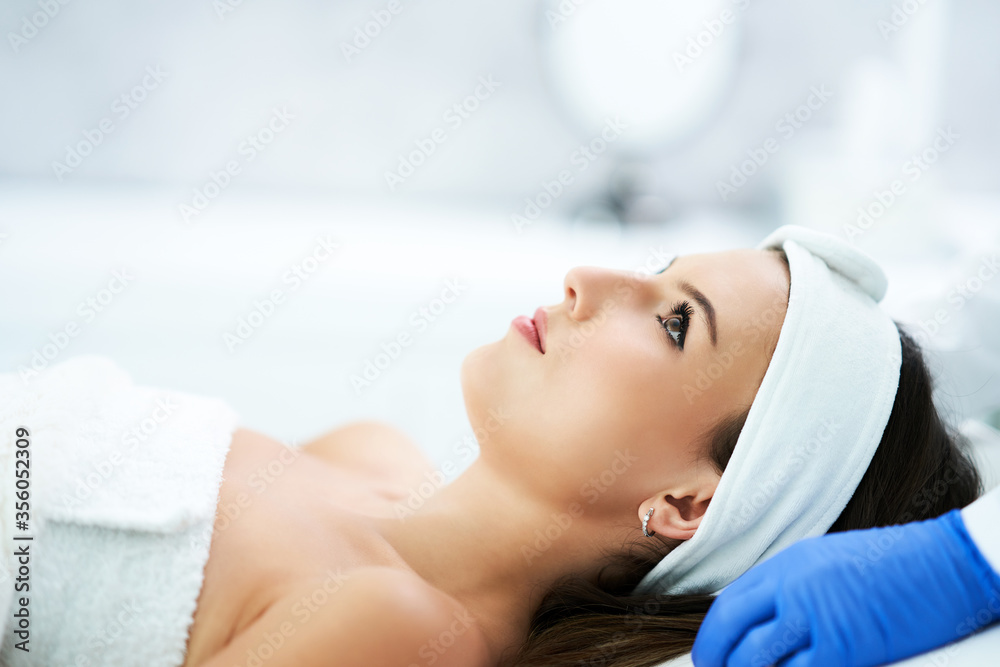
542	326
526	327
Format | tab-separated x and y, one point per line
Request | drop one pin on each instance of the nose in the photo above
588	289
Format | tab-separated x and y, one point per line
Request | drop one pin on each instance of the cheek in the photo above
640	402
604	396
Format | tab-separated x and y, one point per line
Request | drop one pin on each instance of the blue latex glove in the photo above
863	597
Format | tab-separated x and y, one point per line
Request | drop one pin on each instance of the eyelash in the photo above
683	312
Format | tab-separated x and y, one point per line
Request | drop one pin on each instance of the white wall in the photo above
352	119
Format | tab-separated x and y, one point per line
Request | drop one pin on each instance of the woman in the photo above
595	414
605	426
585	429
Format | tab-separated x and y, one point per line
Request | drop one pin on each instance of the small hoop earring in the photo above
645	520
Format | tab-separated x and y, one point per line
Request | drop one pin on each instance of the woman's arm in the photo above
377	616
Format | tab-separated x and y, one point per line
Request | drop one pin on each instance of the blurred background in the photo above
434	169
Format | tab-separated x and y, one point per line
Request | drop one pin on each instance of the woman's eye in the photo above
674	327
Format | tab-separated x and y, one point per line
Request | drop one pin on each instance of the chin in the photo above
482	379
473	375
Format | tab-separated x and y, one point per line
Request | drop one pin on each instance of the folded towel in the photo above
124	486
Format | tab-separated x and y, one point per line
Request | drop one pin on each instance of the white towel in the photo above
124	486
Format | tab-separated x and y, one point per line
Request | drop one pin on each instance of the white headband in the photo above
814	424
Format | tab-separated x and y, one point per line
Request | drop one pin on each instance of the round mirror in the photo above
663	67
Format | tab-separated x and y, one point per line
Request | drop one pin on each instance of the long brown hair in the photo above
920	470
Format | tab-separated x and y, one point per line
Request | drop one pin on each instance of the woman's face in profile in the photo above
636	370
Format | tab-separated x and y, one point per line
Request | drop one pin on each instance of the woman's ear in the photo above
677	512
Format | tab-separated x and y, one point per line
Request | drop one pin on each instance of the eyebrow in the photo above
706	308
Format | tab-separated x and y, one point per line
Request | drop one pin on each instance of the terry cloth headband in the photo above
814	424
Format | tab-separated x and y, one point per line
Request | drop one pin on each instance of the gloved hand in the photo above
863	597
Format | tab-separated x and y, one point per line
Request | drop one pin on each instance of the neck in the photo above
495	548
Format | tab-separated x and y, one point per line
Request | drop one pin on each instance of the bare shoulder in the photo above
374	616
433	627
373	448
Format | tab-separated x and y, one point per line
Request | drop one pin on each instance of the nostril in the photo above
572	276
571	294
